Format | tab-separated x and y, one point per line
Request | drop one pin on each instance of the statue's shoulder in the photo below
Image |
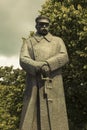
31	40
28	38
57	38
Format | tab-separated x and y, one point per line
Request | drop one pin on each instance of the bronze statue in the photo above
42	57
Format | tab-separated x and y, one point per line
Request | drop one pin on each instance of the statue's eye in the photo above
43	24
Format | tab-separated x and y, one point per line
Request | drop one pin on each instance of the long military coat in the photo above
40	112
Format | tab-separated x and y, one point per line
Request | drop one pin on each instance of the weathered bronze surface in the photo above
42	57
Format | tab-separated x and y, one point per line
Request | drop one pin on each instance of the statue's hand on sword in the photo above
45	70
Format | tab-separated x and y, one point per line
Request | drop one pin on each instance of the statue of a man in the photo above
42	57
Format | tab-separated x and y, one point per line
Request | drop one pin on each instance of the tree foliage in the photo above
11	76
69	21
12	82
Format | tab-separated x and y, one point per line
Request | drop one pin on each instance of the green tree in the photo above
10	76
69	21
12	84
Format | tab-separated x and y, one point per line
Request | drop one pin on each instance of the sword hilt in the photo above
46	78
48	84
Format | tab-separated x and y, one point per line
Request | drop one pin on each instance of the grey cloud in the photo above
16	20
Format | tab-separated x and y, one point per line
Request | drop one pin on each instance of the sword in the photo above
47	88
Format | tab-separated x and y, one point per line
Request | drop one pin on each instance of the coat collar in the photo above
39	37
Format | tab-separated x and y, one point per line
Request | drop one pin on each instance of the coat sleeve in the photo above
60	59
27	63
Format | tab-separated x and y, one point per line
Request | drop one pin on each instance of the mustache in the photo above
44	31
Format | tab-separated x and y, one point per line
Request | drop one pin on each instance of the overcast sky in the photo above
16	21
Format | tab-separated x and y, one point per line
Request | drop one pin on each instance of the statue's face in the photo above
42	26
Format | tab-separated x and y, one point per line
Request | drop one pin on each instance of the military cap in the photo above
42	17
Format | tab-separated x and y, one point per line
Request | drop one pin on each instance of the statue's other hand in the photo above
39	65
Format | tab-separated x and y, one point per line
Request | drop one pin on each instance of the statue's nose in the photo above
44	25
